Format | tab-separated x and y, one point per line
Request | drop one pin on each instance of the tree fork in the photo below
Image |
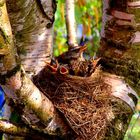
19	87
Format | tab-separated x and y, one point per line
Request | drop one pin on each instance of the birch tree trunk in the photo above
120	40
35	107
32	24
70	22
119	54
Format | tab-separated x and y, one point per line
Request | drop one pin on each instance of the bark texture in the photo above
119	54
32	105
7	49
32	24
26	99
120	40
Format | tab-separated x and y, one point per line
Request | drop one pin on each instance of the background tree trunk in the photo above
70	22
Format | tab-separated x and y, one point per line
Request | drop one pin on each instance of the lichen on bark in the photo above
120	38
7	49
32	25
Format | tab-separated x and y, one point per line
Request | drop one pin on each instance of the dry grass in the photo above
84	101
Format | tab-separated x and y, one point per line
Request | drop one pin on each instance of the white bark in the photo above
32	24
70	22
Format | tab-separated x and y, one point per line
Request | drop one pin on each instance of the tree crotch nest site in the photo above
85	102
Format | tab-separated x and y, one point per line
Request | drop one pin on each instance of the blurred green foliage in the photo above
133	132
88	15
59	29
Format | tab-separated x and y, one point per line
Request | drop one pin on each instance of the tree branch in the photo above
120	41
20	88
6	40
70	22
22	131
12	129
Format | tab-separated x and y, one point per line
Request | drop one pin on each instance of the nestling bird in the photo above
52	66
92	65
63	70
72	58
84	68
83	41
74	63
73	54
54	63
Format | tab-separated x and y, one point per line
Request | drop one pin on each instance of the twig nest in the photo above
86	103
82	100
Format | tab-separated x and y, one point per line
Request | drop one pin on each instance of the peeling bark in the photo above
119	54
120	40
121	89
123	106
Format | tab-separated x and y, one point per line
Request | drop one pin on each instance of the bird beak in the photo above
54	63
95	62
83	48
51	68
63	70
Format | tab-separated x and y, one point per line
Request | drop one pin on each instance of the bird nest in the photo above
84	101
